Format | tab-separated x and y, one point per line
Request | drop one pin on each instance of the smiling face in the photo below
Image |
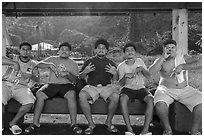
101	50
170	49
130	52
64	52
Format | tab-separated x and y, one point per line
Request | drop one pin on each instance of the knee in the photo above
40	96
70	95
198	108
83	95
160	105
123	99
26	107
149	100
115	97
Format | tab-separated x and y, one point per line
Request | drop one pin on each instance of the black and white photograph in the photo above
101	67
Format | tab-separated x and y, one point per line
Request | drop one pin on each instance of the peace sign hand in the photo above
111	69
89	68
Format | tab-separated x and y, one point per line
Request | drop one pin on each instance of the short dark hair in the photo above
129	44
102	41
169	41
65	44
25	44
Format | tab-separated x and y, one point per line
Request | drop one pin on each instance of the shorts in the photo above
188	96
135	94
21	94
52	90
100	91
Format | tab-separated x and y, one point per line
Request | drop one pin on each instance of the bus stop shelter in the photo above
179	12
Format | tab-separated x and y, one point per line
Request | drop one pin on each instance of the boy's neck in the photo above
130	61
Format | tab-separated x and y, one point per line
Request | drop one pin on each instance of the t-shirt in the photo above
99	76
63	65
16	78
136	82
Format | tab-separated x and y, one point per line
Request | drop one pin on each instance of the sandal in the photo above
89	130
76	129
167	132
111	128
15	129
31	128
129	133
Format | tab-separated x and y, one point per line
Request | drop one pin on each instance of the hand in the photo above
178	69
16	66
129	75
166	55
111	69
26	75
63	73
139	69
89	68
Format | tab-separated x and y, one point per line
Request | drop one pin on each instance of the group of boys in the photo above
104	80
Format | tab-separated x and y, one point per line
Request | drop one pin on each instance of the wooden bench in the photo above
180	116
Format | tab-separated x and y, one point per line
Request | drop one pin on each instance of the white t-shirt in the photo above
137	82
16	78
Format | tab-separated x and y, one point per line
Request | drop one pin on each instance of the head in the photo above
169	47
64	50
101	47
129	50
25	50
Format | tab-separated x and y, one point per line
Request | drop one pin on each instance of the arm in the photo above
156	66
86	69
48	63
71	77
191	64
7	61
145	73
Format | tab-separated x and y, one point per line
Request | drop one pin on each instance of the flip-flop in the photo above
148	133
111	128
31	128
89	130
15	129
129	133
76	129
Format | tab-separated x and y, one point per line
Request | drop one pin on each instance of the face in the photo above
130	52
101	50
170	49
25	51
64	52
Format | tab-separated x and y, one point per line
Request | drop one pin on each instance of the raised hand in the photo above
129	75
111	69
139	69
178	69
166	55
89	68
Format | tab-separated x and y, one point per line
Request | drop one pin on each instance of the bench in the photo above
180	116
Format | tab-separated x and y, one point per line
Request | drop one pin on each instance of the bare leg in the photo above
148	113
124	108
3	112
163	113
114	98
72	106
85	106
197	119
21	112
40	100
